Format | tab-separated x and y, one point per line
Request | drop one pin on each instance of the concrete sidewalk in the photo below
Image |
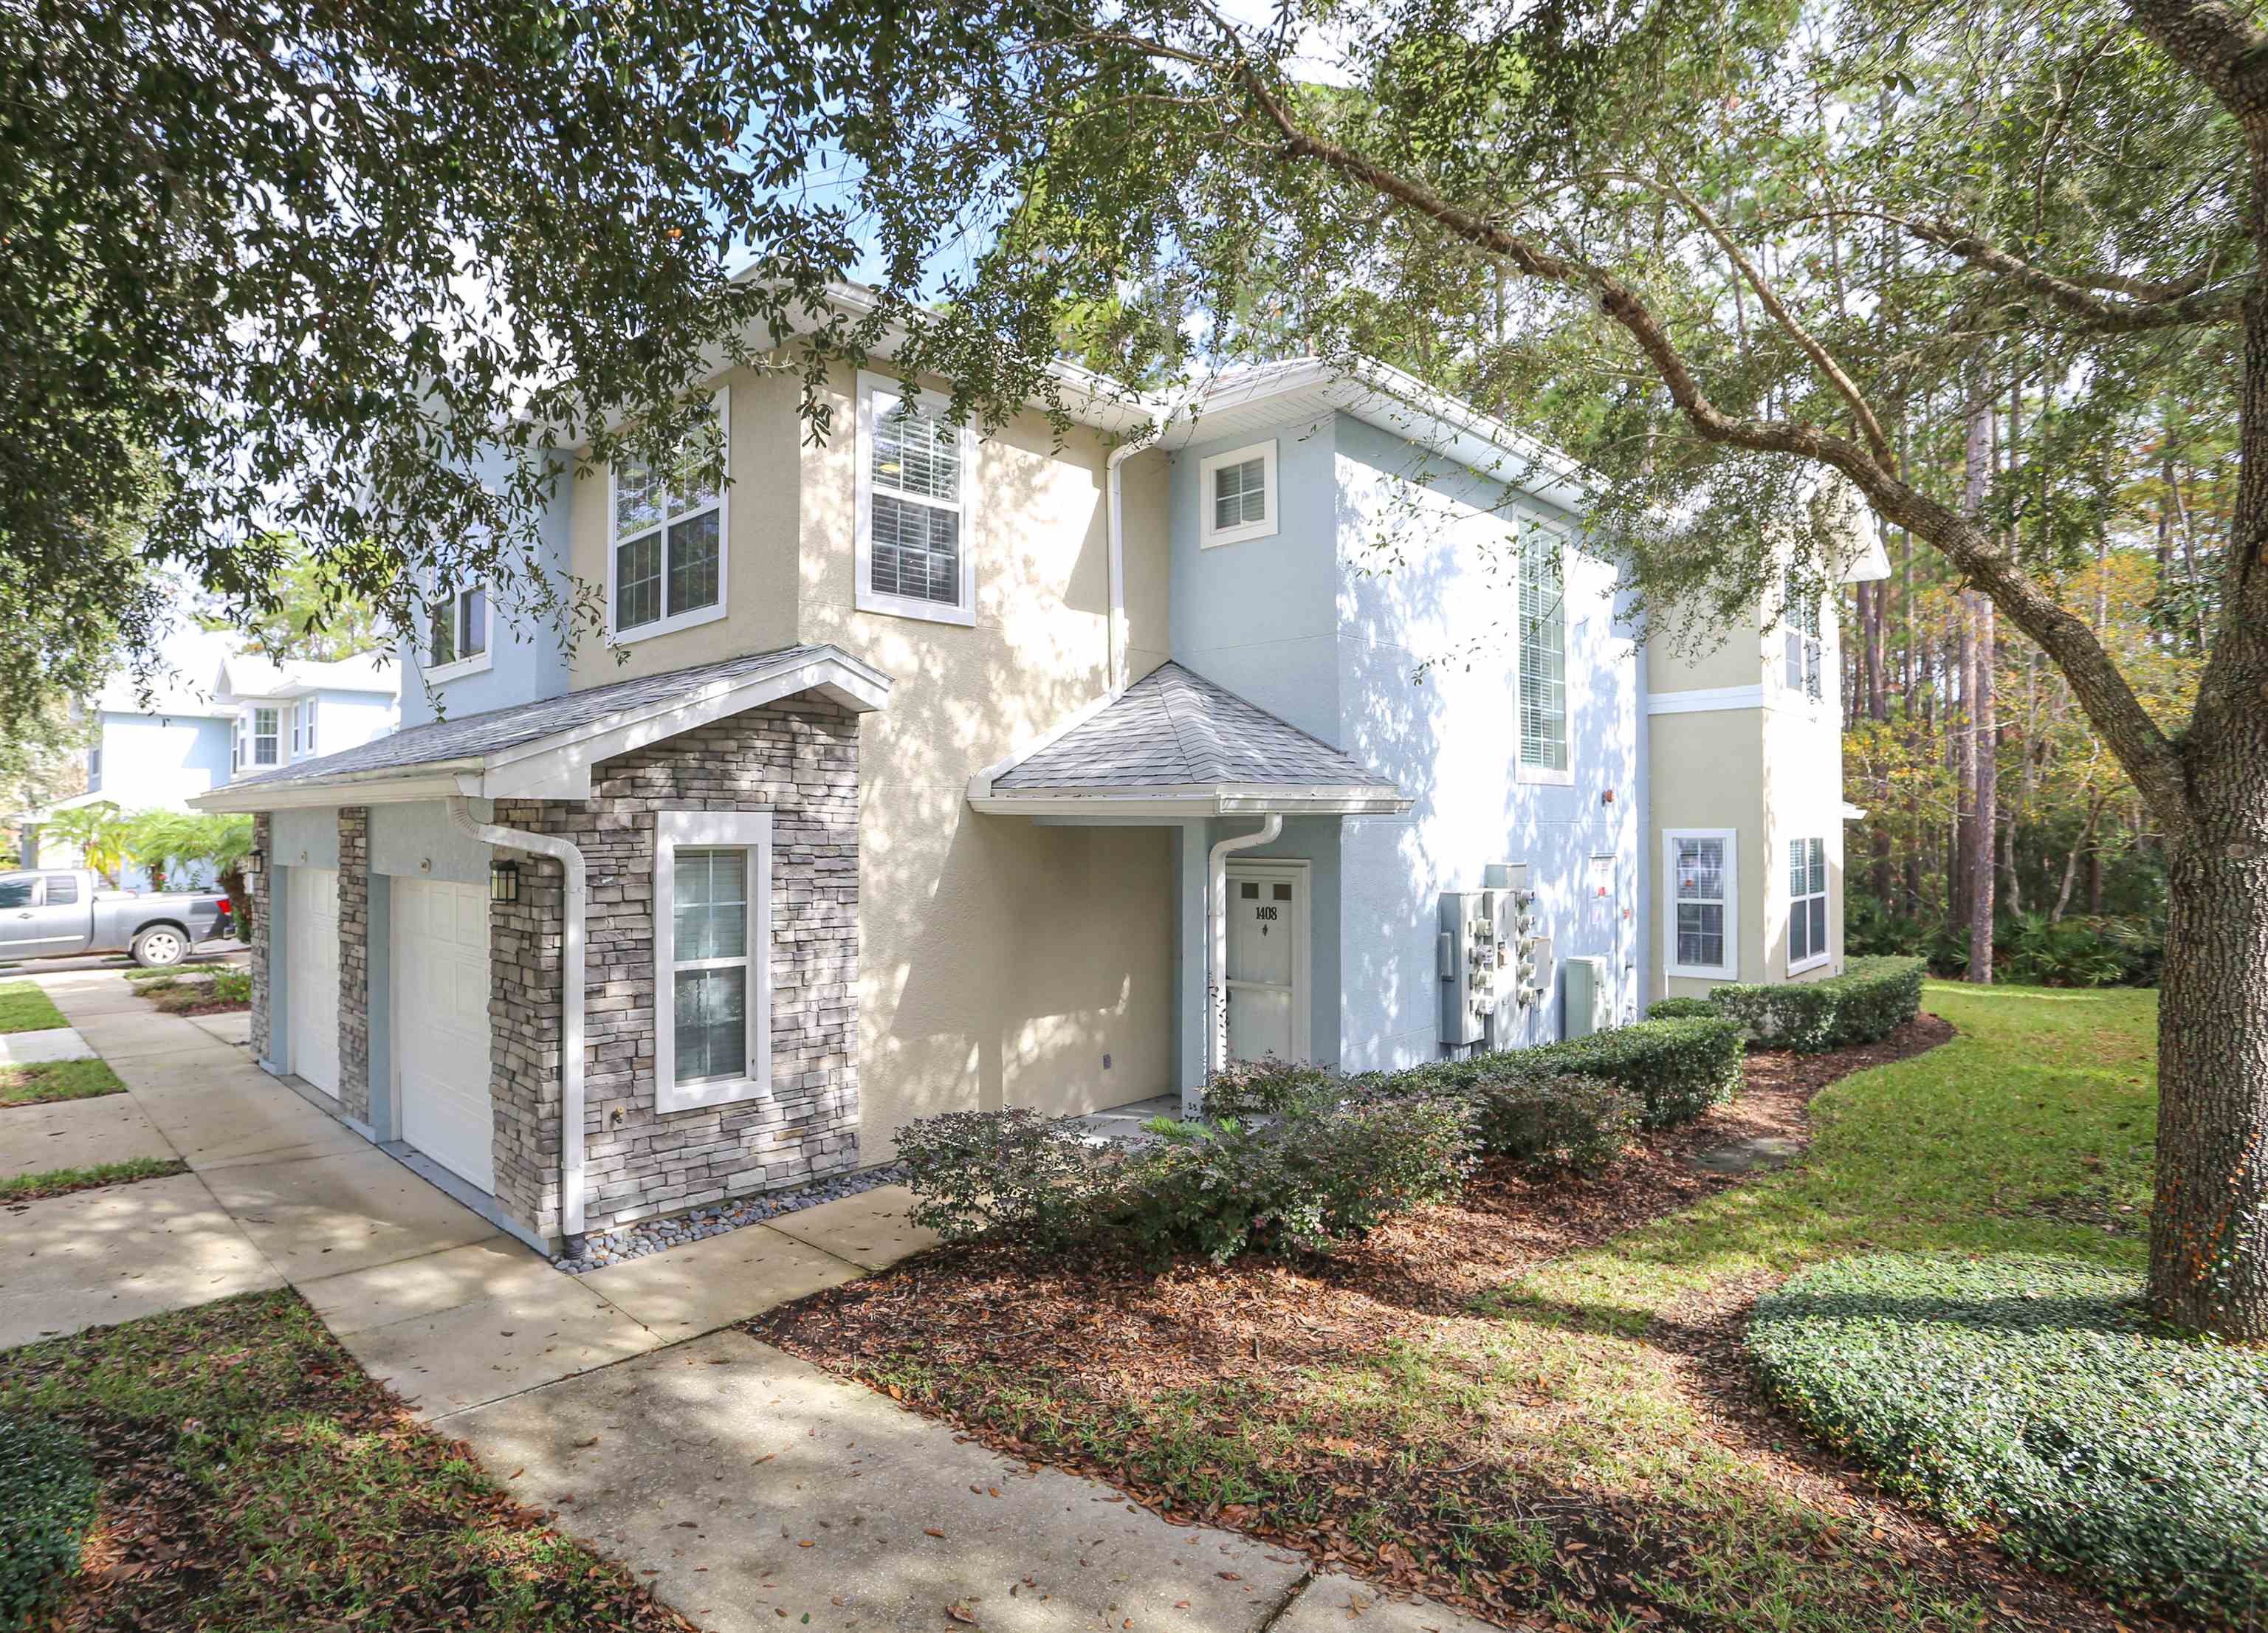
746	1486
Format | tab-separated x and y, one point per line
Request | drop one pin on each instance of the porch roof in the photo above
546	749
1176	744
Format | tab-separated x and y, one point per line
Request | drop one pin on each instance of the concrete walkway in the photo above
746	1486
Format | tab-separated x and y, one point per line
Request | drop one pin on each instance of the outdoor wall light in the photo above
503	881
255	864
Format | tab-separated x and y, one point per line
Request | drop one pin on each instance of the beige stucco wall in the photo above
1000	961
1705	771
1142	485
1736	659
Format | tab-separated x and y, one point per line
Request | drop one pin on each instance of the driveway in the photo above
745	1485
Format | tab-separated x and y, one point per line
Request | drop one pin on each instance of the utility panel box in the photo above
1475	963
1589	998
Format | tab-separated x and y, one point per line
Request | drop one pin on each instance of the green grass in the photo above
24	1008
270	1484
57	1080
1555	1411
63	1181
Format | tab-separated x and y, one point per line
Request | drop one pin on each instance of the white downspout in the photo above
1217	936
1115	502
570	1020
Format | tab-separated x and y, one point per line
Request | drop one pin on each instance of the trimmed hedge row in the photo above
1677	1068
47	1508
2031	1395
1870	1000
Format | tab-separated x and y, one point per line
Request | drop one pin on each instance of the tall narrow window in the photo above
713	952
1543	655
913	511
1807	903
667	562
1805	650
265	740
1702	932
303	728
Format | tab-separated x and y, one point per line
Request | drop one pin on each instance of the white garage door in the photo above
311	987
441	934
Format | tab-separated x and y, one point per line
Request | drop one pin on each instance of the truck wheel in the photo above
159	945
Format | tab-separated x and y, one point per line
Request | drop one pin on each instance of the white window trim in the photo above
1547	776
1730	970
459	666
253	734
749	830
1208	537
1795	966
864	597
1829	662
670	623
304	714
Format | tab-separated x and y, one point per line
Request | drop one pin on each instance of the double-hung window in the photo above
665	566
1703	928
1238	494
1805	650
712	957
262	738
1543	658
303	728
1807	903
458	632
914	468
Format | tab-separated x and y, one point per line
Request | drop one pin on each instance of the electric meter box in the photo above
1475	963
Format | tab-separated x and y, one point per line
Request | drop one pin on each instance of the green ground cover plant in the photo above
2031	1394
42	1081
261	1480
63	1181
24	1008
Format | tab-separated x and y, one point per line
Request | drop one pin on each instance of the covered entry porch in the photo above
1255	805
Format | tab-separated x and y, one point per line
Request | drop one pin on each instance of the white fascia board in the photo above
558	767
395	786
1704	700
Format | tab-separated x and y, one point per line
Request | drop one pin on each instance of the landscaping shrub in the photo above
1270	1087
1679	1009
1032	1178
1870	1000
47	1508
1677	1068
1222	1188
2031	1395
1572	1121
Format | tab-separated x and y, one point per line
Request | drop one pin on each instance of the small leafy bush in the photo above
1679	1009
1219	1188
1676	1068
1574	1121
1268	1087
1870	1000
2031	1394
1032	1178
47	1508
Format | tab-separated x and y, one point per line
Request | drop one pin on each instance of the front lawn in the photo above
57	1080
246	1473
1504	1401
63	1181
24	1008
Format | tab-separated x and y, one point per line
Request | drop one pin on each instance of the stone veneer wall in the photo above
354	962
255	934
800	758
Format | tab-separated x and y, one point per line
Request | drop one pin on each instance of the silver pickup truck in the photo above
55	912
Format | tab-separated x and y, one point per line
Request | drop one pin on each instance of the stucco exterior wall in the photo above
1002	962
1707	771
161	760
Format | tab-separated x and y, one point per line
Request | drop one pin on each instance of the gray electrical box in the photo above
1589	997
1475	960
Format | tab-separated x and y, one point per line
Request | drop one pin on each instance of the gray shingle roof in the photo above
470	736
1173	728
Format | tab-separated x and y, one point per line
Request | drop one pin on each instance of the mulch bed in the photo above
1100	1332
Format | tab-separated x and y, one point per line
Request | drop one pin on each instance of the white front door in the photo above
1267	974
440	994
311	986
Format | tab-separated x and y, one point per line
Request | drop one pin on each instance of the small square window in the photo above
1248	890
1236	495
1283	893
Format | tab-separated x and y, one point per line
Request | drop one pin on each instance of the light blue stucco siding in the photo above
527	659
1383	617
1428	607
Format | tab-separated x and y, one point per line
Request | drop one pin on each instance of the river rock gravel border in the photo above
636	1241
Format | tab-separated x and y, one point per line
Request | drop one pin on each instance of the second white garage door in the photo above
440	968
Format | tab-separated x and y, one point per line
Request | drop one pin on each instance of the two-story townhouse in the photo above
282	713
920	770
